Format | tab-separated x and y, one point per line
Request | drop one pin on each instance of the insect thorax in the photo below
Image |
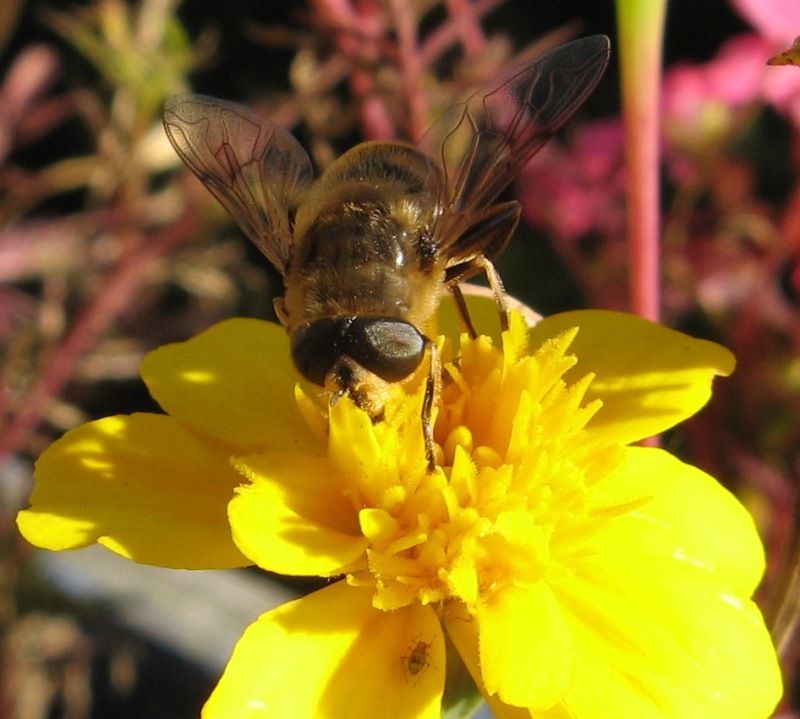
364	254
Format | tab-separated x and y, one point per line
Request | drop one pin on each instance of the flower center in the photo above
515	464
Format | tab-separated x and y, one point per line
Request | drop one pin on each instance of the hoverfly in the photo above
385	229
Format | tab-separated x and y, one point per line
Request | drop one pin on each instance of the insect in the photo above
788	57
386	230
417	658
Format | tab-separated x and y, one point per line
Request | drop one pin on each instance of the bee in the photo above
386	229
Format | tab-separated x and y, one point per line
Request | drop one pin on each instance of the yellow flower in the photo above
576	575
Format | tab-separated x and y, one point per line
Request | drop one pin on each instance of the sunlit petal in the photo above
664	639
462	631
234	381
658	603
142	485
332	655
685	514
648	376
292	517
526	651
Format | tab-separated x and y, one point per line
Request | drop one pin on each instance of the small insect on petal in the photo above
417	658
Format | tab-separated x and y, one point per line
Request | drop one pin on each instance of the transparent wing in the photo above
494	135
252	166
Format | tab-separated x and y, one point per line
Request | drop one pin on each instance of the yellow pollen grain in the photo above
407	541
484	456
460	436
393	497
433	553
377	525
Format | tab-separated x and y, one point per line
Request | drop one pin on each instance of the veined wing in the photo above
251	165
497	133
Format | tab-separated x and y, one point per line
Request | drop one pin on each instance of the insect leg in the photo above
463	310
431	386
496	285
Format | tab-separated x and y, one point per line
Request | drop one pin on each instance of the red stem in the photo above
467	21
116	294
410	67
446	35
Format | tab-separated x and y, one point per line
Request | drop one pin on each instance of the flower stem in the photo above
640	25
116	294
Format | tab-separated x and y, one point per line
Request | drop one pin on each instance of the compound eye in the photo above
389	348
316	348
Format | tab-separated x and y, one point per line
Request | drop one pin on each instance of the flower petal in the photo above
703	653
144	486
648	376
658	603
293	517
463	633
331	655
688	516
234	381
525	647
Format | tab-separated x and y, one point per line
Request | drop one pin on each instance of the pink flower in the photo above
777	20
572	190
701	102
